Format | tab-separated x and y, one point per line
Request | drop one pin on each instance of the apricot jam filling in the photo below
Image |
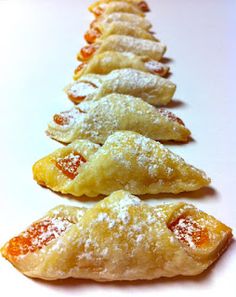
80	67
69	165
61	119
189	232
156	67
37	236
80	90
92	34
98	10
87	51
144	6
171	116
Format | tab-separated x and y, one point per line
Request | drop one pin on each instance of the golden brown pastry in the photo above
96	120
126	161
99	9
134	19
123	43
119	238
102	31
106	62
151	88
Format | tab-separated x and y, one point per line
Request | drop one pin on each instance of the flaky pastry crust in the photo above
126	161
119	238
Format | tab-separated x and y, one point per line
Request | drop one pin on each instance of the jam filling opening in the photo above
144	6
171	116
189	232
92	35
87	51
69	164
37	236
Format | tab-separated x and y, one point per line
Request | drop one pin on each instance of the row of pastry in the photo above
112	134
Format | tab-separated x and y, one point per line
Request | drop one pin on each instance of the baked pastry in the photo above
105	62
122	43
102	31
99	9
126	161
96	120
151	88
134	19
119	238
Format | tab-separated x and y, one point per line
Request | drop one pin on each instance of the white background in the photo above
38	44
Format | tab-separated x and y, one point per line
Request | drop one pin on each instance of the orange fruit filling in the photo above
189	232
97	11
61	119
87	51
80	67
36	236
69	164
171	116
91	35
144	6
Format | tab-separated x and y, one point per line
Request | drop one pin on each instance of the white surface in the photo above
39	41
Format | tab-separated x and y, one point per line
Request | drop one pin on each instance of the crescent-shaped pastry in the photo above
122	43
105	62
126	161
102	31
96	120
134	19
151	88
119	238
99	5
99	9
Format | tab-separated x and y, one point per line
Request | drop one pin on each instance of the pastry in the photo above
96	120
105	62
151	88
119	238
103	31
122	43
134	19
99	9
126	161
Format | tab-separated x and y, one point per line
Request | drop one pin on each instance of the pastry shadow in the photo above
175	103
174	142
166	60
74	284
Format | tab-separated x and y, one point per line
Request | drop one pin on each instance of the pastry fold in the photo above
96	120
119	238
102	31
151	88
123	43
104	9
126	161
134	19
106	62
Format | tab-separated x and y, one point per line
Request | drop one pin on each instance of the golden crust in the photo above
126	161
113	7
134	19
149	87
123	43
96	120
120	28
121	238
104	63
